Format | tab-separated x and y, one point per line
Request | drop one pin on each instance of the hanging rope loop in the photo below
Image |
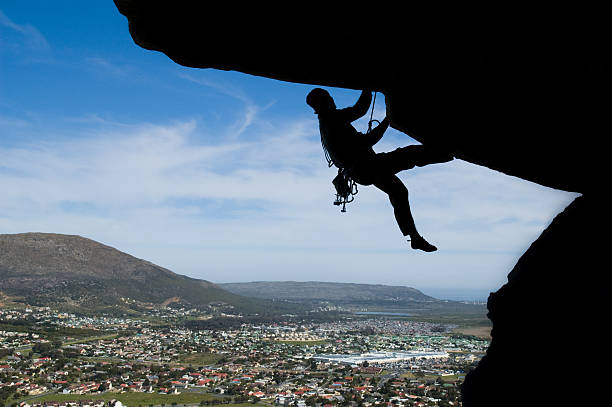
372	114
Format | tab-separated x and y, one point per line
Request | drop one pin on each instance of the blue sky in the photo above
220	175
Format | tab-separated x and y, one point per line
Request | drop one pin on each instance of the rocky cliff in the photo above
546	320
527	96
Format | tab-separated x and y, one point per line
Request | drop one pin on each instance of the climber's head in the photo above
320	100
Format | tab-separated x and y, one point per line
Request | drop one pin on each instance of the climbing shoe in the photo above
419	243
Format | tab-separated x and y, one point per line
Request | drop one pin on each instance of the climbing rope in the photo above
372	114
346	187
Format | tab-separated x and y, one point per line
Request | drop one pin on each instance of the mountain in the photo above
78	274
372	299
331	292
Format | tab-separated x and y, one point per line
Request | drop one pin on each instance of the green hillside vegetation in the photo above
324	291
76	274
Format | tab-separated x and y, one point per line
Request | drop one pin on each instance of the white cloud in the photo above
261	209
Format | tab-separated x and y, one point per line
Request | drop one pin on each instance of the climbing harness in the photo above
346	187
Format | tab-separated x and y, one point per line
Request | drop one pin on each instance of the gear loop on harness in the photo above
346	187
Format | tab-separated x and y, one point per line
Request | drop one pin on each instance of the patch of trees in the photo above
6	392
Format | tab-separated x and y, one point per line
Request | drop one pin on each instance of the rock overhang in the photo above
533	105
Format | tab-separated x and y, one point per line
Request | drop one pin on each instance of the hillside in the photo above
323	291
78	274
368	298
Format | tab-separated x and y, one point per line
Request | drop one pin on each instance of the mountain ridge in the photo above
322	291
78	273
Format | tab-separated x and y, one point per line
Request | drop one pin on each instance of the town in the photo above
49	358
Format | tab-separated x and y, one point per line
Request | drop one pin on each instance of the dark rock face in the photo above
524	99
545	319
528	98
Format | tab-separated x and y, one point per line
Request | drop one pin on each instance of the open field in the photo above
199	359
446	379
132	399
479	331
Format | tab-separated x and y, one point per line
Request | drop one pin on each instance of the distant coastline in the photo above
394	314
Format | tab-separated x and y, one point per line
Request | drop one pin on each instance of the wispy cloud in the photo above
226	88
105	66
28	35
250	109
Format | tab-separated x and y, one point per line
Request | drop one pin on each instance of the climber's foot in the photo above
419	243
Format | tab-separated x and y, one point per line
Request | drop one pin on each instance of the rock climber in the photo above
351	151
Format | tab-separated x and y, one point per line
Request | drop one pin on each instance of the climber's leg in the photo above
398	196
408	157
377	132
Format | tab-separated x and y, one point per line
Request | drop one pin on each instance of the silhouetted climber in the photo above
351	151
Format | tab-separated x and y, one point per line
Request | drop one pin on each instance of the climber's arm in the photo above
360	108
376	134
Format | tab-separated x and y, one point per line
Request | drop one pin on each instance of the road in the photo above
385	378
